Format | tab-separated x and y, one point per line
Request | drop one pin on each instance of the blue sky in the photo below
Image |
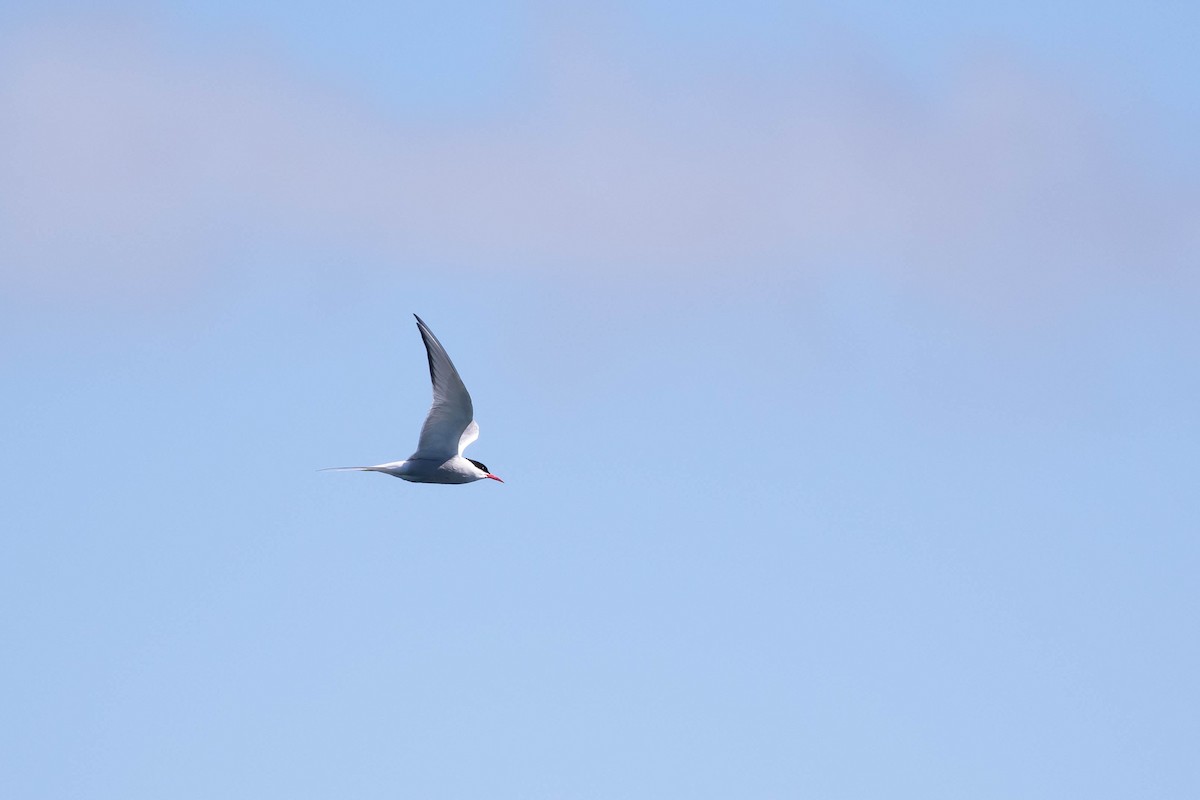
841	364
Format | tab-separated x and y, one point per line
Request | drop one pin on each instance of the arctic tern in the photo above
448	430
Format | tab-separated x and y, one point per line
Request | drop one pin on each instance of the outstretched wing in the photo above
449	427
468	436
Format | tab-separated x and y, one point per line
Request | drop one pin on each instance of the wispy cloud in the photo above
130	171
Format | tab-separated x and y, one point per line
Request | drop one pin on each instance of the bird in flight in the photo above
448	430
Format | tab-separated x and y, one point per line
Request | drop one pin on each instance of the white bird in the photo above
448	430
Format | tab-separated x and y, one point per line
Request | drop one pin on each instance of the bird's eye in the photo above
478	464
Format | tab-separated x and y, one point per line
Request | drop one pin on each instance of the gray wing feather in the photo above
449	427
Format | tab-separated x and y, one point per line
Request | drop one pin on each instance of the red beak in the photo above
493	477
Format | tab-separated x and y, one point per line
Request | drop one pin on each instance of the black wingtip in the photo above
426	335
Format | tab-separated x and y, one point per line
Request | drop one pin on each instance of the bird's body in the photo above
448	430
455	469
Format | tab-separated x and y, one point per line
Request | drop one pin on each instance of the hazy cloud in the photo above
131	170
